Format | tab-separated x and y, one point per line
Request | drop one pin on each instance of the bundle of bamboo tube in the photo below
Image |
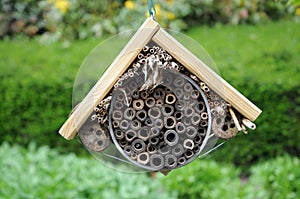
159	115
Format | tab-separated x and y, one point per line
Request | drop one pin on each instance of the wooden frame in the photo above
151	30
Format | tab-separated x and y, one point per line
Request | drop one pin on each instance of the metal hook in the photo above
151	9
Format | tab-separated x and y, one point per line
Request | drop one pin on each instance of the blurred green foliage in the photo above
204	179
43	173
40	172
279	178
276	178
80	19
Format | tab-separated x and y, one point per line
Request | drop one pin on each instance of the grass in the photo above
266	52
238	51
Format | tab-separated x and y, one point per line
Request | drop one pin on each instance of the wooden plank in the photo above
206	74
105	84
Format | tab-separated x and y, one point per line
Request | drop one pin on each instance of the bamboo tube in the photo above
249	124
154	112
157	161
116	124
144	133
133	156
124	125
236	122
159	102
167	110
154	140
202	132
179	105
195	120
186	121
188	144
154	131
143	158
195	94
170	122
149	122
203	123
146	48
135	124
164	148
191	132
181	160
118	105
152	51
123	143
196	148
151	149
197	139
138	145
204	116
179	82
159	93
141	115
119	134
127	150
171	137
178	93
130	135
117	115
188	154
178	115
189	112
180	128
170	98
135	94
129	113
170	161
150	102
244	129
187	87
177	150
159	123
138	104
144	95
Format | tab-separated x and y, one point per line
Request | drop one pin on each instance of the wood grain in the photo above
206	74
105	84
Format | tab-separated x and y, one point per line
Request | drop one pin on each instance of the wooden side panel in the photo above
206	74
105	84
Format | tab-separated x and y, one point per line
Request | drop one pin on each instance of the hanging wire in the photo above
151	8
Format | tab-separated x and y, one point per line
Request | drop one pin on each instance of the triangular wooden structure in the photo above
151	31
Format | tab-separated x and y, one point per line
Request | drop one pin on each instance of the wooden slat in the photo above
206	74
105	84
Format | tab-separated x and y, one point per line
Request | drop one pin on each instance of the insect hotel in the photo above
158	106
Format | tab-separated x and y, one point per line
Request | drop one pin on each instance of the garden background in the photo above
255	45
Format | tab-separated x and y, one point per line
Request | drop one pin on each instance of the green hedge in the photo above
276	178
279	178
204	179
36	83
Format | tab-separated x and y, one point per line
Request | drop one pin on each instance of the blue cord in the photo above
151	8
